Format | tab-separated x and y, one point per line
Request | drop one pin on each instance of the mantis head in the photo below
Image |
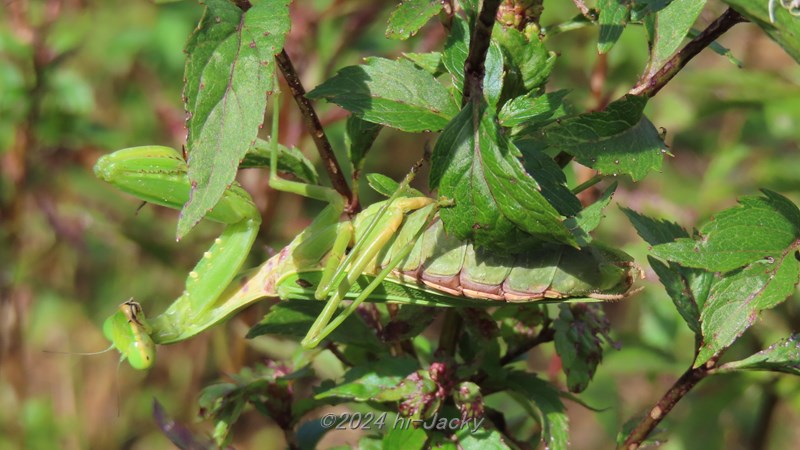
129	332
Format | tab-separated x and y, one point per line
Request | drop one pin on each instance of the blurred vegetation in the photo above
81	79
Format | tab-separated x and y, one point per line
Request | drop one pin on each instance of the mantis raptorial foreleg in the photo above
158	175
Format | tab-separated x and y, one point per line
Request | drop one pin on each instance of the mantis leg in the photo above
321	330
371	239
374	237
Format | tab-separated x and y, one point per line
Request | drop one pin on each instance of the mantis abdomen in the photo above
440	266
547	272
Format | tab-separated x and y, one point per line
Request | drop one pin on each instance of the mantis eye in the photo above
141	353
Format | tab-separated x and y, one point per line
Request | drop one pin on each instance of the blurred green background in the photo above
79	79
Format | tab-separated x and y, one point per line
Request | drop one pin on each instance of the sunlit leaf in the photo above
618	140
229	74
735	301
760	227
496	202
782	356
410	16
671	27
614	15
393	93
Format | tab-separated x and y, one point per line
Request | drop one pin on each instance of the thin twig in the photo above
312	123
679	389
338	354
546	335
652	82
478	46
448	336
315	129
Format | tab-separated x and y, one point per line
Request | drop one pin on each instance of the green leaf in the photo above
580	332
482	439
393	93
688	288
367	382
614	15
679	290
589	218
229	72
784	30
455	55
401	438
671	27
470	8
654	231
290	160
497	204
359	135
642	8
547	401
617	140
493	75
735	301
518	324
782	356
267	388
410	16
455	51
387	186
294	319
760	227
429	62
528	61
550	177
533	109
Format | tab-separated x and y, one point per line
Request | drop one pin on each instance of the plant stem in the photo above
451	329
587	184
312	123
315	129
478	46
652	81
546	335
679	389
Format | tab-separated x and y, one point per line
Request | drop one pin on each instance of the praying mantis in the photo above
394	251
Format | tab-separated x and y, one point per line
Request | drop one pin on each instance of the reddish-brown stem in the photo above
315	129
312	123
679	389
652	81
478	46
